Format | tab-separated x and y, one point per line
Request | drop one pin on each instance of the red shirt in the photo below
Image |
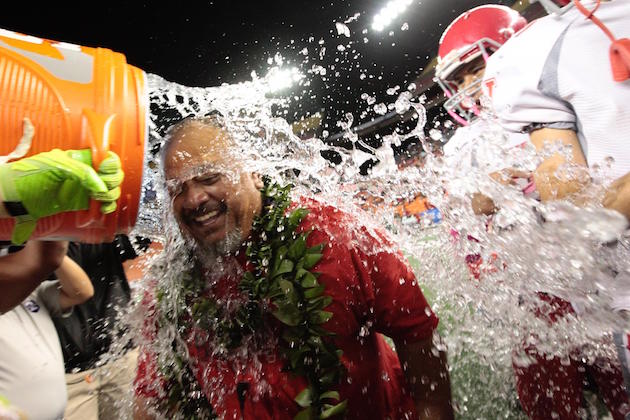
374	291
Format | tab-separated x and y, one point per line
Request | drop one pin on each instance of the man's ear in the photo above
258	180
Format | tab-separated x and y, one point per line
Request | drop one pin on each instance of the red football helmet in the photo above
474	35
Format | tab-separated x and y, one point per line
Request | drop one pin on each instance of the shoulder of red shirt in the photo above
342	226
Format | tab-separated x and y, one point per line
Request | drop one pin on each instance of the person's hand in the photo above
482	204
509	176
618	196
54	182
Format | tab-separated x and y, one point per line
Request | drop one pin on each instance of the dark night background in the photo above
206	43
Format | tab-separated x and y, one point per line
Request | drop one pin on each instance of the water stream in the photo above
576	253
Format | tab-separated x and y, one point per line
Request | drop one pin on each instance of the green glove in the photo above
54	182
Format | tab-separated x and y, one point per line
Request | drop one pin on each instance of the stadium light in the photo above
388	13
279	78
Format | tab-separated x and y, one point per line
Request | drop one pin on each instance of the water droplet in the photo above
380	108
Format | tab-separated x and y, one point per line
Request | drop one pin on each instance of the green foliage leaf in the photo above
305	398
306	414
314	292
280	255
308	280
333	395
315	249
315	342
274	292
326	358
289	315
286	286
296	358
328	379
295	218
286	266
297	248
311	259
290	295
271	224
248	281
317	330
319	317
319	303
293	335
333	410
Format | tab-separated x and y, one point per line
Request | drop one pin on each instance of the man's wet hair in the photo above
213	119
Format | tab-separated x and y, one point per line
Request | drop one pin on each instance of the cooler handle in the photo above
97	129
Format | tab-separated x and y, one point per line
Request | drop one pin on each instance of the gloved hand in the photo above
54	182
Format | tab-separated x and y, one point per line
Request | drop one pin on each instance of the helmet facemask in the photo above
470	39
463	103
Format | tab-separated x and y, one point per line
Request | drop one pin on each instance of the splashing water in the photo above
578	254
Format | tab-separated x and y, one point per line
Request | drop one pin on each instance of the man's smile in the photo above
206	216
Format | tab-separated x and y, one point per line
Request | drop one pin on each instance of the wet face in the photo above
214	199
469	75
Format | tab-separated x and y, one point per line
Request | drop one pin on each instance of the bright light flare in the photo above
390	12
279	78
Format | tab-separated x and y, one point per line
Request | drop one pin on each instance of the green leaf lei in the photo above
282	284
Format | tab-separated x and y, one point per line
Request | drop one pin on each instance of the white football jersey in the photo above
556	73
476	146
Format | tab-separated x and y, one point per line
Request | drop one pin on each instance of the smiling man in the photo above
212	200
281	314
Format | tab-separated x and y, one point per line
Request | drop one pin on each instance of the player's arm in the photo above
618	196
75	285
140	410
21	272
521	102
551	181
426	371
412	325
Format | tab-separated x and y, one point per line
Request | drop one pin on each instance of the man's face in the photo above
468	76
213	198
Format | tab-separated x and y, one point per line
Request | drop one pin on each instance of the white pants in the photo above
97	394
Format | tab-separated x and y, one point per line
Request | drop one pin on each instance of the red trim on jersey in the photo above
490	86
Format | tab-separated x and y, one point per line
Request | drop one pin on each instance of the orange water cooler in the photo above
77	98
